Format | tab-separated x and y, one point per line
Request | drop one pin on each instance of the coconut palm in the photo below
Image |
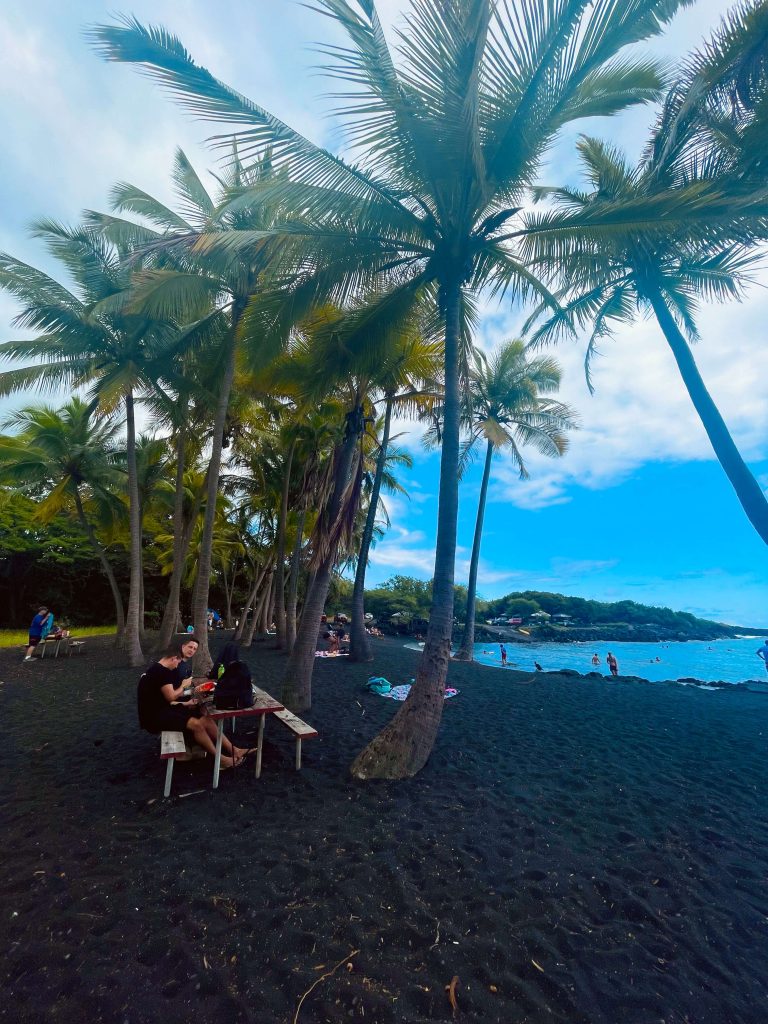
408	384
613	272
505	407
188	278
91	337
678	227
68	455
447	133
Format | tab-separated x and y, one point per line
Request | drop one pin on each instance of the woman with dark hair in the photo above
228	654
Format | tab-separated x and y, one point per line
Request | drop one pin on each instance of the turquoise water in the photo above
730	661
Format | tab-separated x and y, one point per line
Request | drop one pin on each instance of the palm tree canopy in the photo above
58	452
446	132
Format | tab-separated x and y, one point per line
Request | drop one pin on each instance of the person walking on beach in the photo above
503	650
762	652
159	688
36	628
595	659
613	665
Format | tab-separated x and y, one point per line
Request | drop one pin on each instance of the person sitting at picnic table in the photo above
333	643
157	693
39	629
188	647
228	654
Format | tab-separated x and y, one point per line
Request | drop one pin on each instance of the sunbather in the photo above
156	696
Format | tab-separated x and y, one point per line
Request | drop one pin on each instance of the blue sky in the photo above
638	508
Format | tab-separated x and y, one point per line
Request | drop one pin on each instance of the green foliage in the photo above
585	612
52	562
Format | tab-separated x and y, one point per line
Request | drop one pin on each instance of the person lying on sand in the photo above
155	694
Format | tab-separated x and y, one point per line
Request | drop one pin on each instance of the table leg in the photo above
259	745
217	759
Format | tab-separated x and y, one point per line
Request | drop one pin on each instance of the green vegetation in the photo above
272	328
584	612
18	637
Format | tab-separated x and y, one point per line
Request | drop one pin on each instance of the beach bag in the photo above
233	690
378	684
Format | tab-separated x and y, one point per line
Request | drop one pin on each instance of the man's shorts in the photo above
34	640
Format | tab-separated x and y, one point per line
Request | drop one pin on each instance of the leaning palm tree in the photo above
408	384
504	406
69	455
91	337
206	289
449	131
698	248
680	226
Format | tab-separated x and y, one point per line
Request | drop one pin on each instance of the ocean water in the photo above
729	661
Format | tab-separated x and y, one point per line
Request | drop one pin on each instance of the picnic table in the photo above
263	705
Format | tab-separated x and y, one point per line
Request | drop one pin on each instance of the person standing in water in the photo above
762	652
613	665
503	650
595	659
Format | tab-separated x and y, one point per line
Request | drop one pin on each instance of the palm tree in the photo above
69	453
446	142
191	276
613	271
505	406
408	384
91	338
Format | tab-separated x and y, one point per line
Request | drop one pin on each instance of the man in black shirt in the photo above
158	688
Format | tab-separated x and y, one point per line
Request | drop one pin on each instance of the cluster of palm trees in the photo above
315	297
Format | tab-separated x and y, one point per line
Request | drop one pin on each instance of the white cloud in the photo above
640	410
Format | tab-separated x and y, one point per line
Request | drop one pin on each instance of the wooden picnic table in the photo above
263	705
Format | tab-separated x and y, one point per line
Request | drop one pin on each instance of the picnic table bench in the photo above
173	745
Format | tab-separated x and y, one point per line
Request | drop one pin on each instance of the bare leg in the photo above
230	748
201	733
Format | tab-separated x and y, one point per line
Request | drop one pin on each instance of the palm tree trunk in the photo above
171	613
249	605
132	641
402	748
748	491
108	571
293	585
203	660
297	680
280	585
267	613
360	644
229	590
142	613
467	650
258	611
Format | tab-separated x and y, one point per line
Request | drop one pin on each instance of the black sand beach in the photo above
576	850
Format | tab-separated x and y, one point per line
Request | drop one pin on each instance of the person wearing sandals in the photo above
158	691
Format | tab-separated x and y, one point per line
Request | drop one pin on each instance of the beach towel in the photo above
331	654
401	692
378	684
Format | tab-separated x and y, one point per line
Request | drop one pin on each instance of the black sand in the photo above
576	850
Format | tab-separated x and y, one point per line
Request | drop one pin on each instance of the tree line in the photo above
274	326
